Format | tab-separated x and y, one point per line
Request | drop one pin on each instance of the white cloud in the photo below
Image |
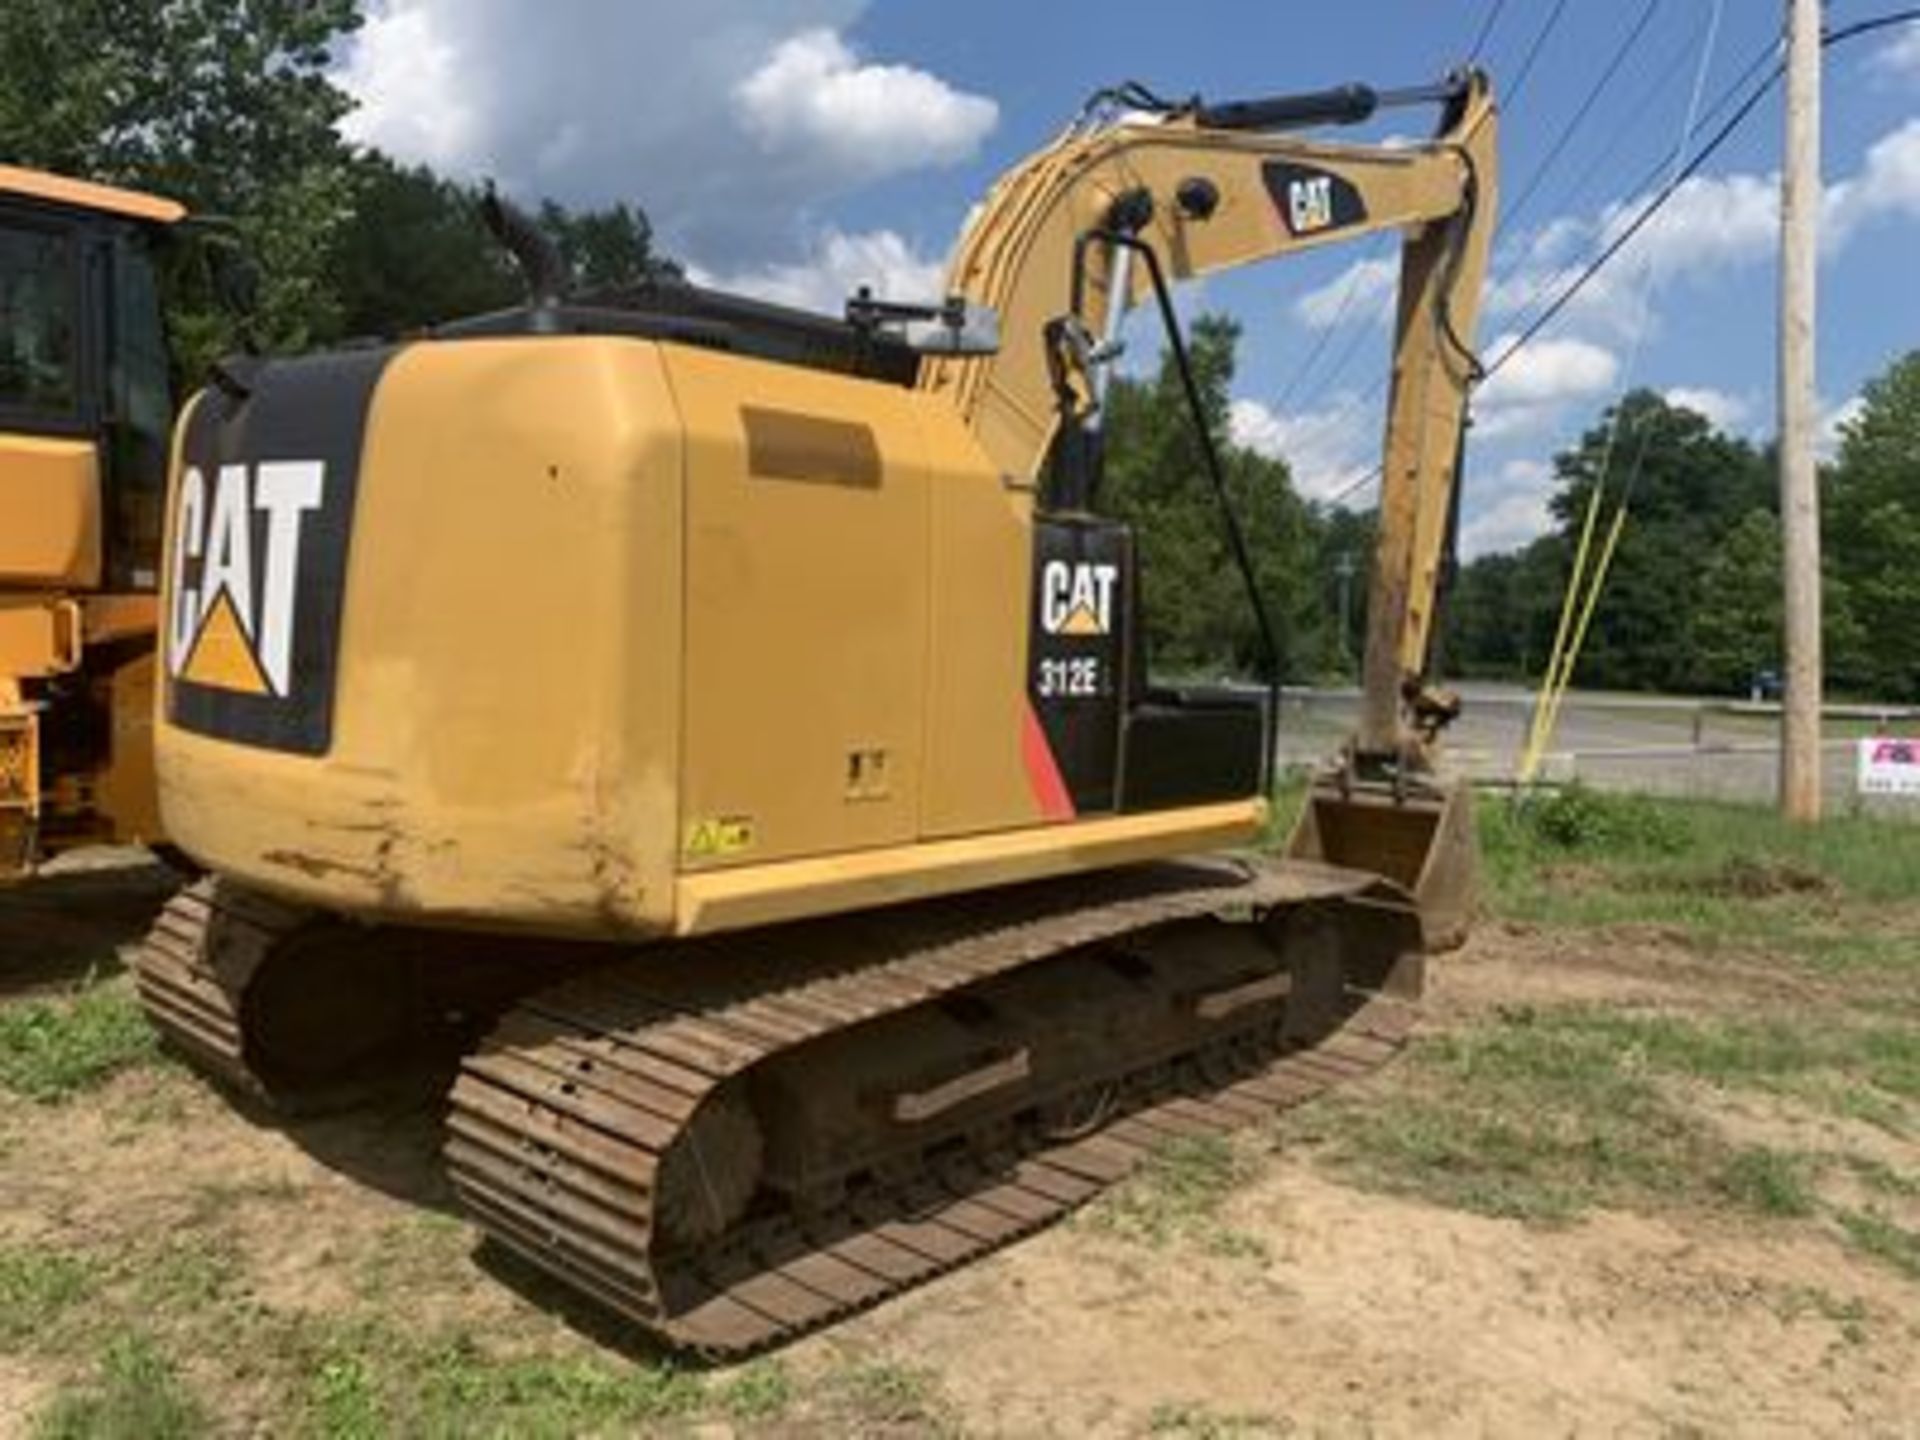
838	265
1887	185
1711	222
1725	411
1505	525
1365	289
1509	510
731	121
1712	227
405	74
1531	390
1548	371
1901	55
1328	451
1833	422
813	96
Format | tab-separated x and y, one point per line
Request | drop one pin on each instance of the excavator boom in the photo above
1212	188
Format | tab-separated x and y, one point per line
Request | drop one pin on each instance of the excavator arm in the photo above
1206	189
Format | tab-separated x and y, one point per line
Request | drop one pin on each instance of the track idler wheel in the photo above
322	1008
710	1172
272	999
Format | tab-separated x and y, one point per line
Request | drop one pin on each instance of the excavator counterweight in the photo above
738	729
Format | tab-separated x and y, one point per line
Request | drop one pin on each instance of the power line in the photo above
1771	51
1486	30
1644	103
1355	284
1354	487
1350	293
1636	225
1532	186
1869	26
1658	202
1665	162
1533	53
1692	167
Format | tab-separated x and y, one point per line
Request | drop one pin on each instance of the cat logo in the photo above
1077	599
235	574
1310	204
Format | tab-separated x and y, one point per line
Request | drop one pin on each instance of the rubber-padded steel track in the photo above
560	1123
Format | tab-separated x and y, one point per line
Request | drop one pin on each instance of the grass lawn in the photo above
1803	954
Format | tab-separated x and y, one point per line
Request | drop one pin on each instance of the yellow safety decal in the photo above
716	839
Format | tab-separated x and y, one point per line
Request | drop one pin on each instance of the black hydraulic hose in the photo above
1342	105
1216	473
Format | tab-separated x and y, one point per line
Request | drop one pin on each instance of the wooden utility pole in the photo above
1800	417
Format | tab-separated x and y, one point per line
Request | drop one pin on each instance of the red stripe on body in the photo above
1043	771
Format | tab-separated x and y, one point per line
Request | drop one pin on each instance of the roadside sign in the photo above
1890	766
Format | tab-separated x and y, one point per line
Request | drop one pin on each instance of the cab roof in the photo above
85	195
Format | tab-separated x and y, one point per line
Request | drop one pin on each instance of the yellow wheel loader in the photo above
85	413
746	717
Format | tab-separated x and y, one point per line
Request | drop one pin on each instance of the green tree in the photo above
610	249
413	252
1198	618
1688	487
1496	620
1872	540
227	107
1737	630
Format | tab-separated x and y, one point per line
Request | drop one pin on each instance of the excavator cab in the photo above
86	406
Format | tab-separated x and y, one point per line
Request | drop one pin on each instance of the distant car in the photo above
1765	685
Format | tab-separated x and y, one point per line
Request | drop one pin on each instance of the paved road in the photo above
1661	744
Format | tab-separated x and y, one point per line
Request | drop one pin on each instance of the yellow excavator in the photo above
746	717
85	414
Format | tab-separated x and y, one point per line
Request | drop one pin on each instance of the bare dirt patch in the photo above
1377	1315
1508	963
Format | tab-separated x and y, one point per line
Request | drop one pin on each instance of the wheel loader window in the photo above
142	406
39	330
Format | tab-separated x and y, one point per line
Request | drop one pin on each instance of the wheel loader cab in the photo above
85	415
85	397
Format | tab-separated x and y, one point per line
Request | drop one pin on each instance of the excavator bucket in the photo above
1423	841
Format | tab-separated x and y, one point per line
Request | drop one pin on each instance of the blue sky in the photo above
798	148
